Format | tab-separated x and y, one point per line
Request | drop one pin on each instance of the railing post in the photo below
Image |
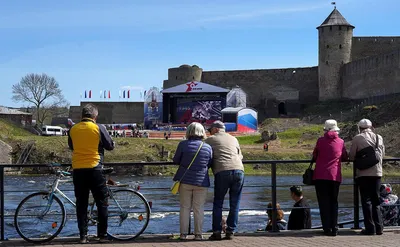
274	210
356	201
2	202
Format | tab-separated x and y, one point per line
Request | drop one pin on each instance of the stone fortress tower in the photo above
183	74
335	36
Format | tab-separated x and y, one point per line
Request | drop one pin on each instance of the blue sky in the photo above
109	45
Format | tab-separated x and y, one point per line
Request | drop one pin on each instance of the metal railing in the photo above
273	163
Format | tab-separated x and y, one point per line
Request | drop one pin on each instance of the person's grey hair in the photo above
195	130
90	111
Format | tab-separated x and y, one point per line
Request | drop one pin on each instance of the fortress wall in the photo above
268	87
363	47
75	113
372	76
109	112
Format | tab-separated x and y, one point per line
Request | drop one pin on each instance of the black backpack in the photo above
368	157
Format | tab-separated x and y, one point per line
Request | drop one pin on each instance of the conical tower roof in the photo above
335	19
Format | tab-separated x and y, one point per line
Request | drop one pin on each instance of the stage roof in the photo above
232	109
195	87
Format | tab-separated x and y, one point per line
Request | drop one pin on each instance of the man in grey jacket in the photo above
369	180
228	172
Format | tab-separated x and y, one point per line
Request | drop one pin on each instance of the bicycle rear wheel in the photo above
39	220
128	214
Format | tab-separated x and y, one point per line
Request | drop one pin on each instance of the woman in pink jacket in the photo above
328	154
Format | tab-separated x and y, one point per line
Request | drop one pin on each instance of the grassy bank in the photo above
294	143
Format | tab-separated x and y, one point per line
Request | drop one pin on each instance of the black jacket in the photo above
300	218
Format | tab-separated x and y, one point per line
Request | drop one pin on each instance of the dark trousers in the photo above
231	180
369	192
86	180
327	195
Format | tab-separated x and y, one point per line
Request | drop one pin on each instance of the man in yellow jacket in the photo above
87	140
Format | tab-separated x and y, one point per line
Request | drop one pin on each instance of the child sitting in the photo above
281	223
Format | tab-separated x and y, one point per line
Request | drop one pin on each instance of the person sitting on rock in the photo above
280	222
300	216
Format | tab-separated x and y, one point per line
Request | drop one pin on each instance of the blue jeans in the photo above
232	180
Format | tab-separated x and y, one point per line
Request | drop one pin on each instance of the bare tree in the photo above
42	91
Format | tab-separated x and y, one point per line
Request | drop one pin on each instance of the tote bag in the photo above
175	186
308	175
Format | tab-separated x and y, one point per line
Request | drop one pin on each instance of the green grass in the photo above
302	135
9	130
248	140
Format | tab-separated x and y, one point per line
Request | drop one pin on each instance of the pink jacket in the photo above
328	153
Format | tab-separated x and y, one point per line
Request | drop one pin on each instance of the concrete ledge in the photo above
346	237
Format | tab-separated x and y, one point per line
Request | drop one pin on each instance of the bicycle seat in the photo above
108	170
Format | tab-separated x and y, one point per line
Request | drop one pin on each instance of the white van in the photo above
52	130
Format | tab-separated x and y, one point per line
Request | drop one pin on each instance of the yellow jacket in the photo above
87	140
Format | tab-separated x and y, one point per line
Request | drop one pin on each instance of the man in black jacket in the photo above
300	217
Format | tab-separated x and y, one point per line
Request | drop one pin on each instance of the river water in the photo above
256	196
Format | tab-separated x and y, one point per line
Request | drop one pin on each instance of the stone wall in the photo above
372	76
109	112
267	88
5	153
363	47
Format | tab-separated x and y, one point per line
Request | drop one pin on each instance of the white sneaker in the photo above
198	237
183	237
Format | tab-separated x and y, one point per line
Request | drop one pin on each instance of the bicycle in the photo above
41	216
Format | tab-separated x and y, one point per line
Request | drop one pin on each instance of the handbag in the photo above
175	186
308	175
367	157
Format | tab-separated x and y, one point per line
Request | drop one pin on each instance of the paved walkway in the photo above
346	238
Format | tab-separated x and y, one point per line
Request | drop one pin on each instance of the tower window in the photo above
340	27
327	46
176	78
330	28
340	46
348	28
326	62
193	77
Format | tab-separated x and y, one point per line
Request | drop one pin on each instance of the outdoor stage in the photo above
193	102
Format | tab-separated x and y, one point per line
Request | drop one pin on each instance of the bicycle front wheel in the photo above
38	218
128	214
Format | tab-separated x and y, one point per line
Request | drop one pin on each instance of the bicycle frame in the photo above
55	190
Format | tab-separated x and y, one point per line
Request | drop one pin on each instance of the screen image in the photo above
198	111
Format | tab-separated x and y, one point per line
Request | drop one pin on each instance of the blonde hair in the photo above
195	130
